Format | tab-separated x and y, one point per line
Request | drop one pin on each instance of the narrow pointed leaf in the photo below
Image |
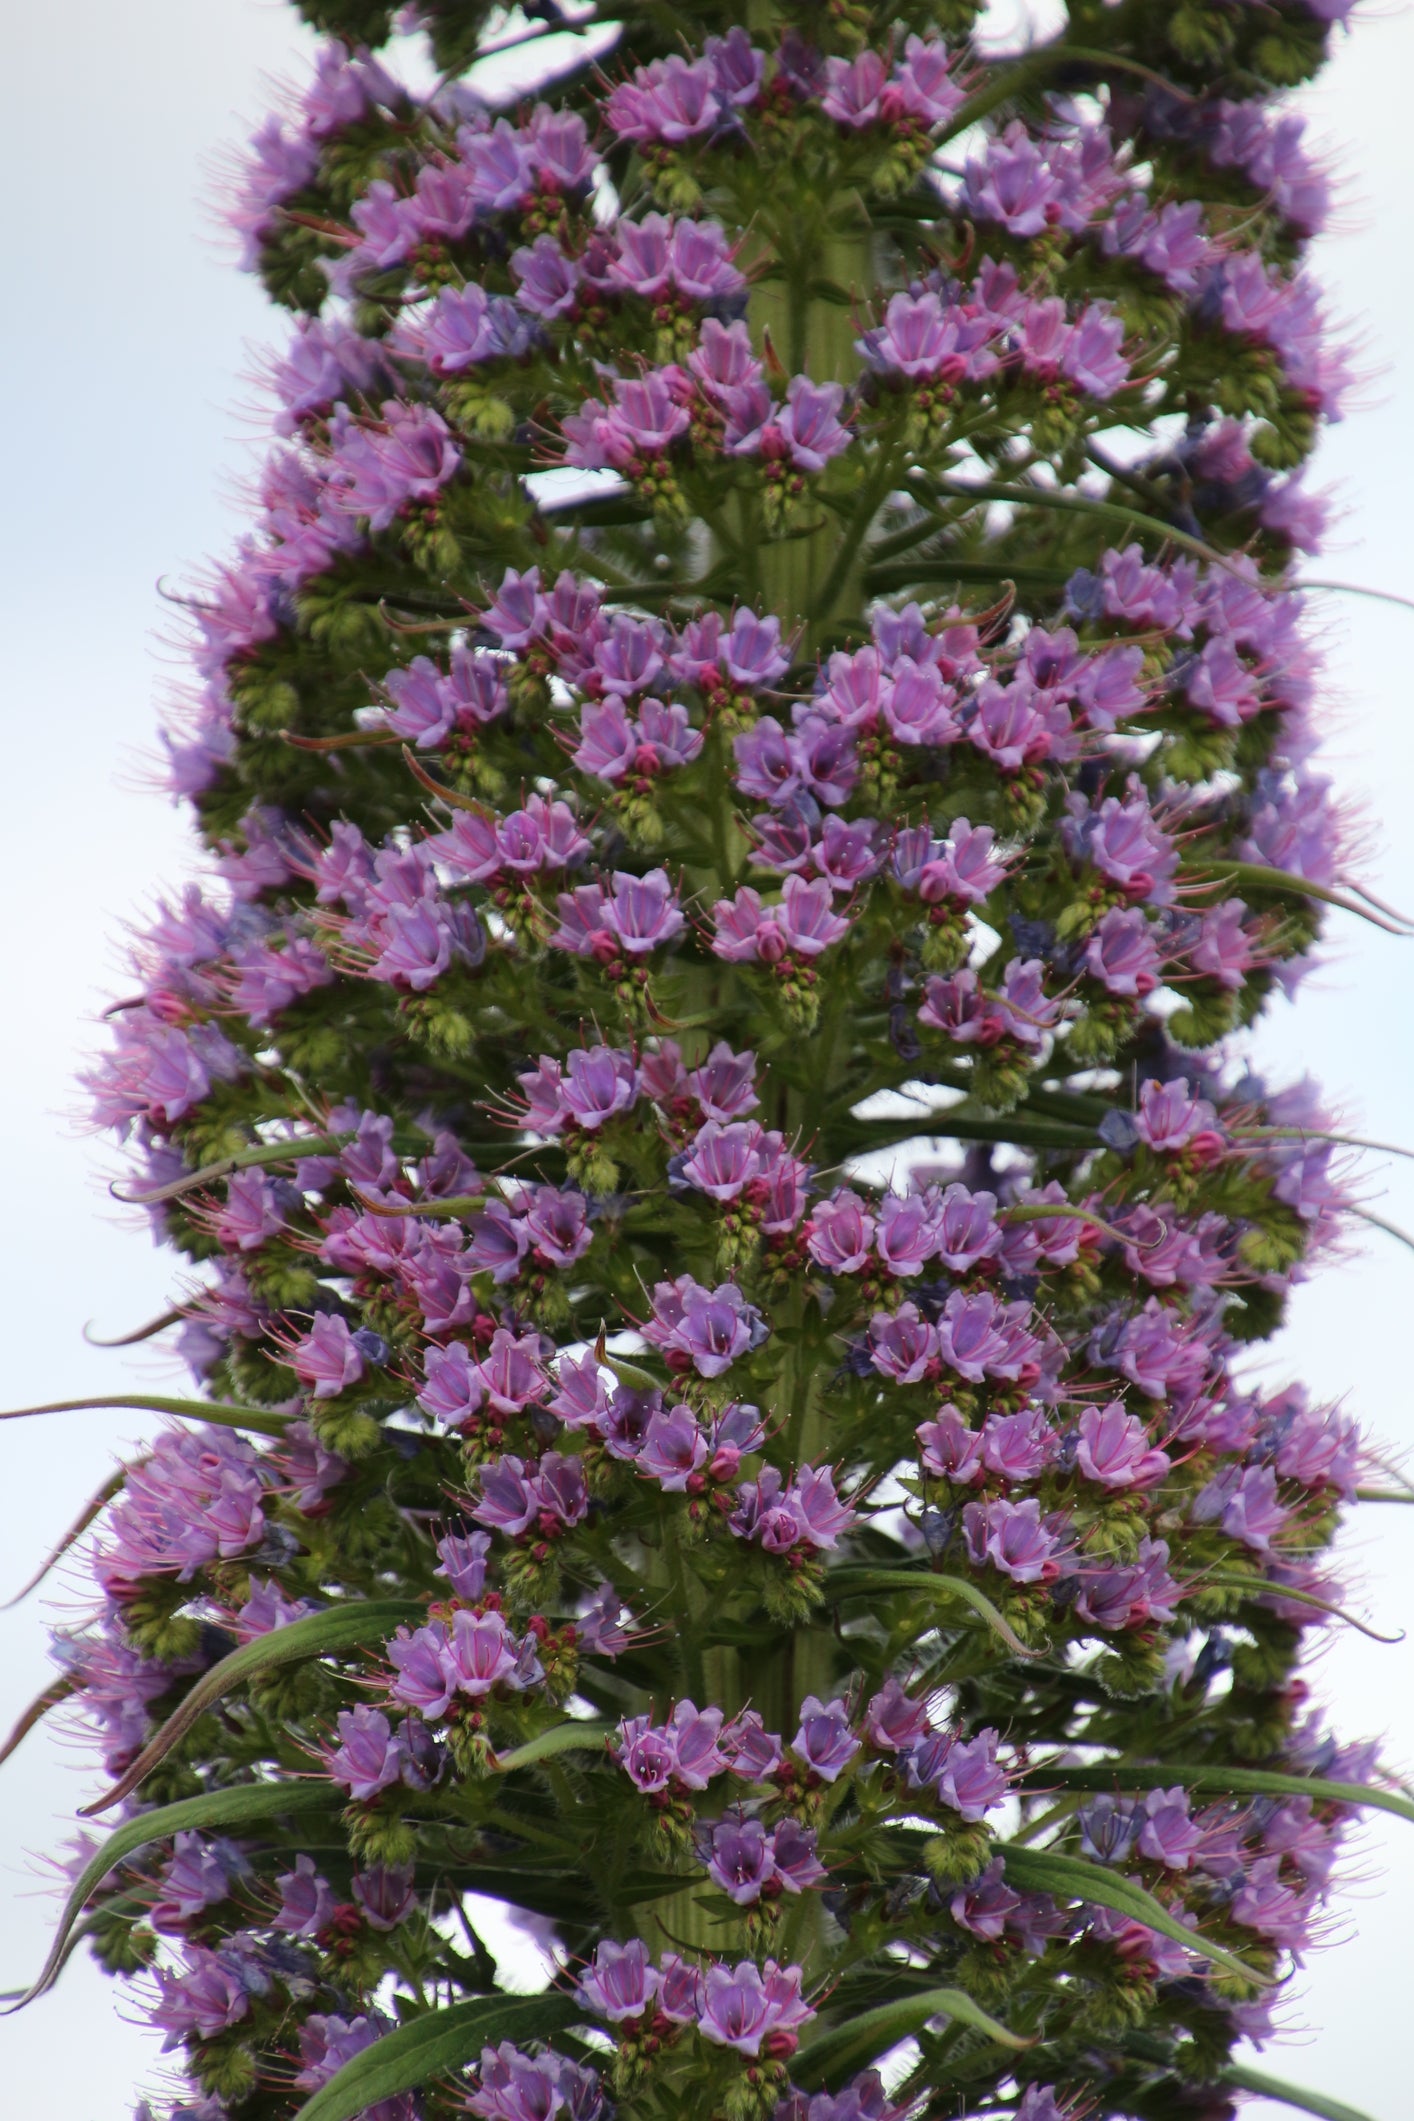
1076	1878
565	1738
153	1327
1258	1587
232	1810
839	2053
856	1582
285	1152
91	1509
430	2046
1222	1781
59	1690
360	1625
1256	876
1257	2080
263	1420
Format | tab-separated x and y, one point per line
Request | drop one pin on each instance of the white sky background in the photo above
124	436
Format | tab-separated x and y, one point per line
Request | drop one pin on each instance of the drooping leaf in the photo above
1257	2080
257	1159
430	2046
565	1738
839	2053
1076	1878
1256	876
854	1582
355	1626
1259	1587
1222	1781
58	1690
91	1509
260	1419
233	1810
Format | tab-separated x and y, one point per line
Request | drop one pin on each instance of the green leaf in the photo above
838	2054
429	2046
1256	876
232	1808
854	1582
1076	1878
1257	2080
344	1627
1224	1781
565	1738
258	1158
97	1502
260	1419
1259	1587
58	1690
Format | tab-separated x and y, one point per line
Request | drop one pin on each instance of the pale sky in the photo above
127	434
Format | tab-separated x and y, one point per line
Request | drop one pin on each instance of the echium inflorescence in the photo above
756	761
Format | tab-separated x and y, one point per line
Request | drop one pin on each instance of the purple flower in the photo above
669	101
557	1224
697	1757
817	1510
923	81
478	1654
1122	954
706	1329
1168	1835
950	1450
1012	1536
979	1337
509	1502
674	1449
385	1894
751	1751
199	1875
902	1344
378	470
1245	1502
510	1373
548	282
205	1996
723	1160
962	1773
453	1391
982	1908
753	2008
738	1854
840	1233
422	1681
1113	1449
462	1560
619	1982
808	423
327	2043
460	328
1170	1117
824	1742
854	90
368	1758
306	1901
1018	1447
646	1754
642	911
893	1720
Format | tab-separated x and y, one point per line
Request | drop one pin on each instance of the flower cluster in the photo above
701	1092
